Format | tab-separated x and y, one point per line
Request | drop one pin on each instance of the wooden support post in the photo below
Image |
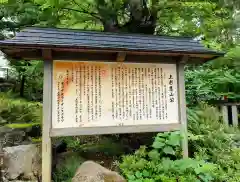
47	119
224	110
234	115
182	106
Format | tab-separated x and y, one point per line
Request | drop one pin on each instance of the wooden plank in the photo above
235	115
224	110
47	54
47	118
113	130
121	56
111	57
184	60
150	59
182	108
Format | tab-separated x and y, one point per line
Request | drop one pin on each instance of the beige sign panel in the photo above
100	94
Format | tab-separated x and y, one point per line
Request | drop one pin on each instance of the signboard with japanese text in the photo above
101	94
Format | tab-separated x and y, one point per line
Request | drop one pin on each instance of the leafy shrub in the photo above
213	141
160	163
19	110
213	146
31	74
20	120
214	80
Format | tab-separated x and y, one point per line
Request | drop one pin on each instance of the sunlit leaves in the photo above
188	18
173	140
215	80
158	145
169	150
162	168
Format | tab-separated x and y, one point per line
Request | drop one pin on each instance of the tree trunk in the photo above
142	18
146	25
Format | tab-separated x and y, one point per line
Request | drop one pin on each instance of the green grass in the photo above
21	125
36	140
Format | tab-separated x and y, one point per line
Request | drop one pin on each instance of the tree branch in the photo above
142	18
95	15
74	1
109	17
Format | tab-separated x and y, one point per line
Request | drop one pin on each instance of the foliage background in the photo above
216	23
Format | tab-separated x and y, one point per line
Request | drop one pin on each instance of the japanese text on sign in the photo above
90	94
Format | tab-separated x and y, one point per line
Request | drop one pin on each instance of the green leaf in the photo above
174	140
154	155
146	173
138	174
3	1
53	2
169	150
131	177
158	145
206	178
164	135
160	139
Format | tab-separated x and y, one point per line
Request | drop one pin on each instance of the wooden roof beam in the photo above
121	56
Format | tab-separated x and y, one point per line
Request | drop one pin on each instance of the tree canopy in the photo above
215	22
216	80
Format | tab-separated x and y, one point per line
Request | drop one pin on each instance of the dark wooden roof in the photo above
32	40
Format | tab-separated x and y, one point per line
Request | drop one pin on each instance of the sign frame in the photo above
49	132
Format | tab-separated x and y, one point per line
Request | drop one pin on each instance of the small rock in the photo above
22	161
10	137
90	171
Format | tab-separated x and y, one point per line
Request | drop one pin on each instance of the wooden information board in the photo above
101	94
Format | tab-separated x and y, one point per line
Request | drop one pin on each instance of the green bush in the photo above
14	110
214	80
20	120
161	163
211	140
213	147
